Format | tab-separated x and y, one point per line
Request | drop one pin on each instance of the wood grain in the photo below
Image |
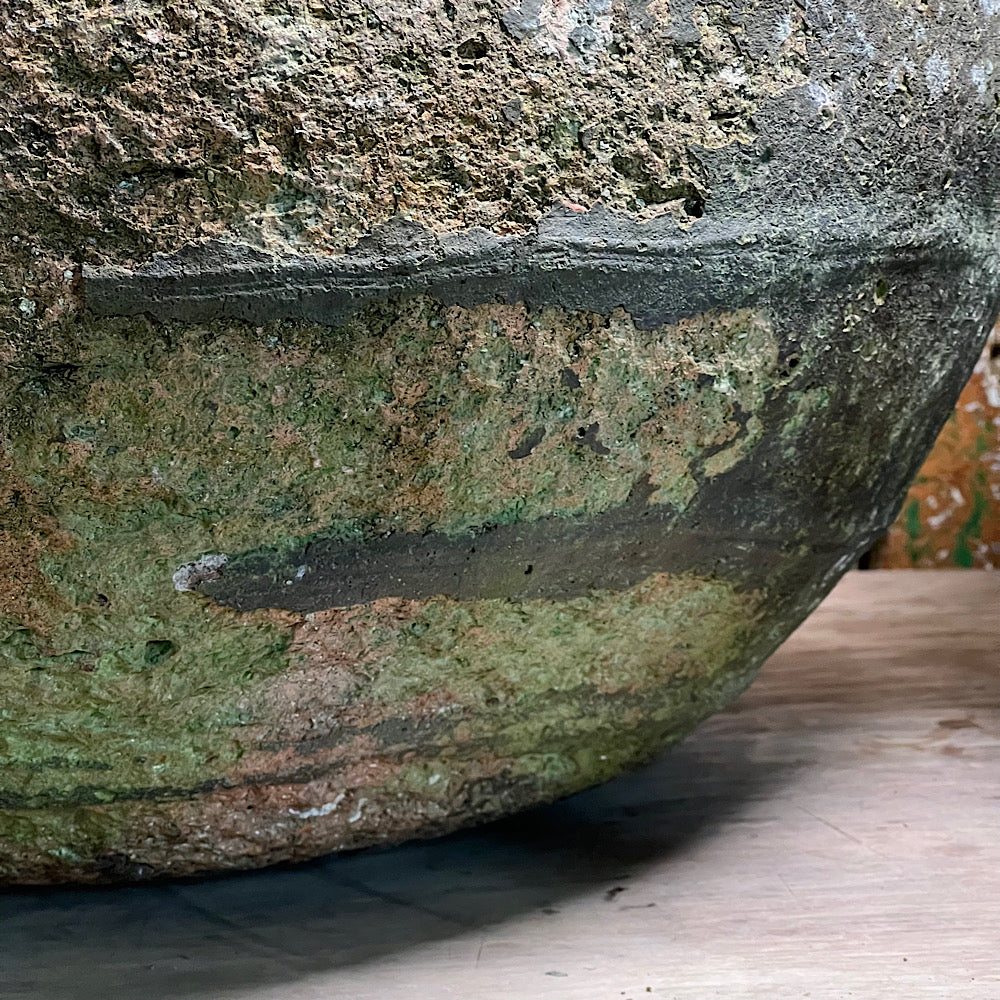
835	835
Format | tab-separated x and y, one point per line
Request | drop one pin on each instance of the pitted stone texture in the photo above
352	293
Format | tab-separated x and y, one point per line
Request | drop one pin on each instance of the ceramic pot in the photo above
412	413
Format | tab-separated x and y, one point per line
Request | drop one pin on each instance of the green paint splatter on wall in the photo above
914	529
912	515
973	527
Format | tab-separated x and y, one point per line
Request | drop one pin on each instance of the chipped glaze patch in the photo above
192	575
937	72
578	32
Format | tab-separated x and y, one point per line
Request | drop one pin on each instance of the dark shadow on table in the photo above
277	926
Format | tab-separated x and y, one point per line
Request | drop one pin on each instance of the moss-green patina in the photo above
165	444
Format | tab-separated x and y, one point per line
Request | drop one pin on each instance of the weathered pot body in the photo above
413	413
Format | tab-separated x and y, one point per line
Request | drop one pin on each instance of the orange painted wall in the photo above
951	516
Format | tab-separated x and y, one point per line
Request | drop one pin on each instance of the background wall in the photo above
951	516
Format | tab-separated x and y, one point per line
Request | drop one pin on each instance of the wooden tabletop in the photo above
836	834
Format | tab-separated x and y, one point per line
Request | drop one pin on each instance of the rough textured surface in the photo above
428	487
311	123
854	782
